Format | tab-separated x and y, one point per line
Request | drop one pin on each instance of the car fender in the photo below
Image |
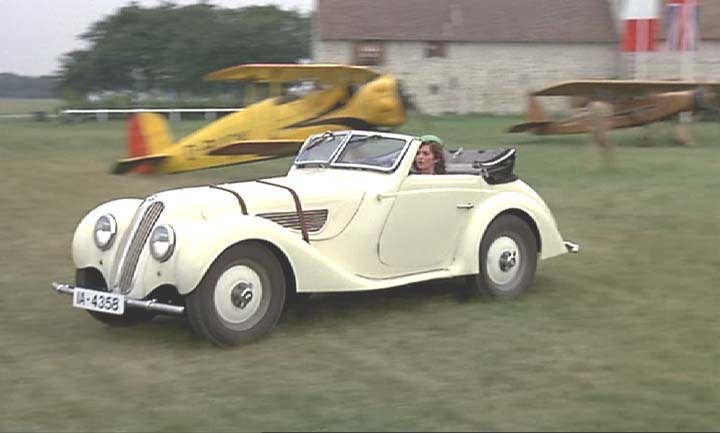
531	205
84	252
200	244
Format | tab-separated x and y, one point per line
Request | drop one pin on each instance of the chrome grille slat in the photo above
139	237
315	219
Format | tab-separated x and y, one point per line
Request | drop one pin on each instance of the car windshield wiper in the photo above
364	138
356	140
319	140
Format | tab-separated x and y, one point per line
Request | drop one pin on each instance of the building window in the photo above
368	53
435	49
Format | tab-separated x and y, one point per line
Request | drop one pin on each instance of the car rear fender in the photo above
528	207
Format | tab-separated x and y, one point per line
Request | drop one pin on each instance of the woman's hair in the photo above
439	155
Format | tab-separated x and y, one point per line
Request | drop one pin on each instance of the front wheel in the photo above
240	298
508	260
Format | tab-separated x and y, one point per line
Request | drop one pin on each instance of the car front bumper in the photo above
151	304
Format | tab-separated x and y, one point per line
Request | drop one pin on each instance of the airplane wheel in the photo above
508	260
241	297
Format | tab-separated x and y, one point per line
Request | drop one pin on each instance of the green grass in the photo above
27	105
621	337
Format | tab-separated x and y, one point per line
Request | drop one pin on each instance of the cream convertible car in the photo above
348	216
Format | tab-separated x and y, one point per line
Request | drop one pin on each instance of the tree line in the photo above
170	48
18	86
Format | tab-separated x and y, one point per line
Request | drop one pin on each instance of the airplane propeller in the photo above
405	97
411	106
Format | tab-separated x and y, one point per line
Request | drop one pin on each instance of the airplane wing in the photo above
140	162
272	148
273	73
527	126
592	88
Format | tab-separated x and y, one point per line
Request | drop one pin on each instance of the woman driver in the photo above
430	158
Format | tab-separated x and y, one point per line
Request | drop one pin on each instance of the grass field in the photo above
621	337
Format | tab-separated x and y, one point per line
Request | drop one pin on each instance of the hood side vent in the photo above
315	219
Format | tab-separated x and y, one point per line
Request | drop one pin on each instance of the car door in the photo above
429	213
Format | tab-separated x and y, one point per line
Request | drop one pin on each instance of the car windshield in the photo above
366	150
371	151
320	148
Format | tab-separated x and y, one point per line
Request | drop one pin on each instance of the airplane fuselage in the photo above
376	104
626	114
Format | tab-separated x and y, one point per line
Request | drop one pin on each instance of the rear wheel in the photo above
508	260
240	298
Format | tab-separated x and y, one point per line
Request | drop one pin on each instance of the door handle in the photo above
465	206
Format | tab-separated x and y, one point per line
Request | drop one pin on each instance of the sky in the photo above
34	34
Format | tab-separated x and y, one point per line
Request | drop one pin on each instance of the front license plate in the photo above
103	302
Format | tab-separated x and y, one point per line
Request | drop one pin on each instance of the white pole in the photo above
688	65
687	45
643	46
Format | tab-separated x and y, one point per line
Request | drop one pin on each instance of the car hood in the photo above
329	202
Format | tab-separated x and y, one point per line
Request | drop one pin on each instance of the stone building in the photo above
461	56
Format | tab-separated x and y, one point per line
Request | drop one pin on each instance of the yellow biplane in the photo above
338	97
632	102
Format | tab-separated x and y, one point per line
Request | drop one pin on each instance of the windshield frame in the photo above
349	134
310	141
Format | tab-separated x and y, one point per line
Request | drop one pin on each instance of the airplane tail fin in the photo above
534	117
148	139
534	112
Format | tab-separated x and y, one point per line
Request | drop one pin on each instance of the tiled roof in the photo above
467	20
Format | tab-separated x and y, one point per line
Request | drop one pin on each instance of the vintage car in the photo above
349	215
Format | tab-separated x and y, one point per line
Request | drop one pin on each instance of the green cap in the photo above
431	139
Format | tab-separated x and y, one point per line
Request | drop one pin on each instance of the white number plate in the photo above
99	301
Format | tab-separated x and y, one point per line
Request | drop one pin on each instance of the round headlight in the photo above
162	242
105	231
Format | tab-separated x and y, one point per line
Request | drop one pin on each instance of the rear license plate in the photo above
103	302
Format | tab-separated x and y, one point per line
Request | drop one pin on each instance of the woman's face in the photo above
425	160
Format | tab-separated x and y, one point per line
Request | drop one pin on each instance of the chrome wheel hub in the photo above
238	294
503	260
508	260
241	295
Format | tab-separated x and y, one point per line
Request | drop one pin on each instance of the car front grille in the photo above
314	219
148	214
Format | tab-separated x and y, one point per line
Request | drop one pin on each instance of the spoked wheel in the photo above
240	298
508	260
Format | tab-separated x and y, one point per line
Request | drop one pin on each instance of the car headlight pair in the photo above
162	239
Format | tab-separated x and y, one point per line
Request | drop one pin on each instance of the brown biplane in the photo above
631	103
